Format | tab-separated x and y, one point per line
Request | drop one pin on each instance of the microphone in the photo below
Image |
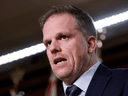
21	93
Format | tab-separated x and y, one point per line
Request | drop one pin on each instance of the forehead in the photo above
63	18
58	22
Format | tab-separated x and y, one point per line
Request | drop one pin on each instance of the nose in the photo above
55	47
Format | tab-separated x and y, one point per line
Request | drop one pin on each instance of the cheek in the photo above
49	56
73	57
79	54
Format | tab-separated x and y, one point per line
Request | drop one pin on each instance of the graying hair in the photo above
84	21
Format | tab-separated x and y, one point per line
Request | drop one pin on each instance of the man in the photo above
70	39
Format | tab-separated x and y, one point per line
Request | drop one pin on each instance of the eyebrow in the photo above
57	34
46	40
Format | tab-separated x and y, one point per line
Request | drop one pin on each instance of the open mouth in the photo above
59	60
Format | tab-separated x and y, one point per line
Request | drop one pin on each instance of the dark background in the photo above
19	28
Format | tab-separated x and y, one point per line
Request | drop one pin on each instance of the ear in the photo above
92	42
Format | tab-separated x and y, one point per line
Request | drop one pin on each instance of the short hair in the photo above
84	21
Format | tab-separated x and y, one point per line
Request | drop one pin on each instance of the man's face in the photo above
67	48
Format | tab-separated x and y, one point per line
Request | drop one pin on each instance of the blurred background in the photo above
19	28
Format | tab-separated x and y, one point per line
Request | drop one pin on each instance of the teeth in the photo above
59	60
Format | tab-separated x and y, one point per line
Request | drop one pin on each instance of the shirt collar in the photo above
84	80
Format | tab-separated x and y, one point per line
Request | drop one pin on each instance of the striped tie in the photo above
73	91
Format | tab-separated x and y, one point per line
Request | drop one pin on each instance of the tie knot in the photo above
73	91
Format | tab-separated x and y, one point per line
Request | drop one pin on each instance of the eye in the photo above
63	37
48	43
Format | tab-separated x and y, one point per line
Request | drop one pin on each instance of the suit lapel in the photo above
99	81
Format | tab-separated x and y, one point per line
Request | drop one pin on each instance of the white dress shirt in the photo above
84	80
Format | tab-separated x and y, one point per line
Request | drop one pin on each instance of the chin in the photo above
62	75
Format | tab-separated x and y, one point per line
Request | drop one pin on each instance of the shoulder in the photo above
120	71
114	72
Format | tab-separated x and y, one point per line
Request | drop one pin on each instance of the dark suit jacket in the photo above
107	82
